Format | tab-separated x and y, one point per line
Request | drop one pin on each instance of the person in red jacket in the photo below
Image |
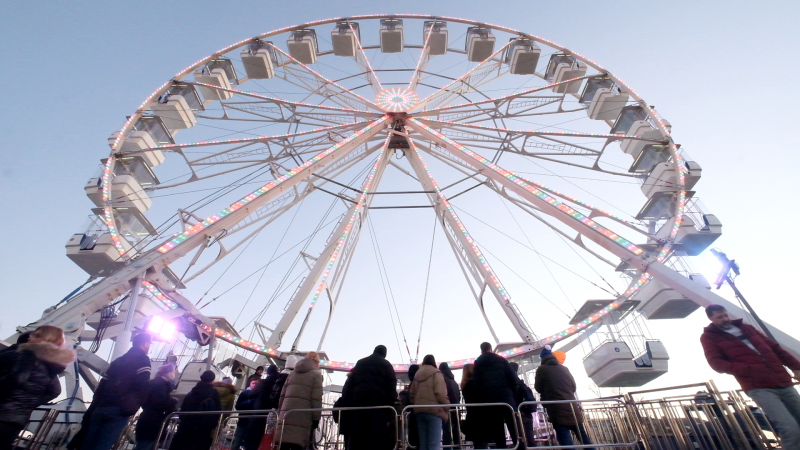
758	363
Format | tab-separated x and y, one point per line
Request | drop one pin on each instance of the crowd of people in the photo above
365	413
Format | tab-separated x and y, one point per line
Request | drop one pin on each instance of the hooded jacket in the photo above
227	395
303	390
764	368
429	388
494	379
555	382
453	390
32	379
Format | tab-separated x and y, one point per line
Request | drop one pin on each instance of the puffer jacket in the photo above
32	379
429	388
303	390
495	379
555	382
725	353
227	395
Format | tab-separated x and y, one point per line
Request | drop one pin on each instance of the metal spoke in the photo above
318	84
364	64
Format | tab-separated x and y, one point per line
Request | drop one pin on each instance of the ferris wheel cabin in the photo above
562	68
177	106
303	46
220	73
437	42
522	56
392	36
480	44
343	38
658	301
259	60
603	98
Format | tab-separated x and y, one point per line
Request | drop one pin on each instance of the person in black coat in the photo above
523	393
156	408
244	403
496	382
405	399
30	379
450	430
372	382
195	430
262	400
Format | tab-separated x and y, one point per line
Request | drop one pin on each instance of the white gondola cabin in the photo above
220	73
522	56
659	301
562	68
302	45
392	36
604	99
480	44
437	42
259	60
343	38
664	178
612	364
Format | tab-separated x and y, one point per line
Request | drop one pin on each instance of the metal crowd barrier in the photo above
708	419
460	410
327	435
48	429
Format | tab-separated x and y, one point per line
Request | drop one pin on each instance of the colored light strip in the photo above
538	133
196	228
275	99
475	250
235	340
366	102
521	182
159	295
357	211
463	77
364	55
259	138
511	96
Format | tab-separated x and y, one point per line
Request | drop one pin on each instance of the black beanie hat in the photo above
272	369
412	370
380	350
207	376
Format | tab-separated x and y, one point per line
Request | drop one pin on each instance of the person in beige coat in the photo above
303	390
429	388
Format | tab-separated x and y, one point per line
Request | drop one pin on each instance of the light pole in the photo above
729	265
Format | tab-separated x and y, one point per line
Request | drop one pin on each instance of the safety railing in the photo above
48	429
595	423
502	414
707	419
337	425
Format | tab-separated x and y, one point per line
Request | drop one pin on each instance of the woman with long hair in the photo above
473	427
429	388
29	379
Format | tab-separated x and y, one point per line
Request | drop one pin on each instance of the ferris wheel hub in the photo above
396	100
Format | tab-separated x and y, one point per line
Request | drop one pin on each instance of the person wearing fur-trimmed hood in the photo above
29	378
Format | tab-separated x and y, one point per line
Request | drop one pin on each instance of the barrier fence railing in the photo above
48	429
329	435
706	419
697	416
461	412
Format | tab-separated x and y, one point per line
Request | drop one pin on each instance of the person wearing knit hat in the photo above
560	356
555	383
547	350
156	408
194	431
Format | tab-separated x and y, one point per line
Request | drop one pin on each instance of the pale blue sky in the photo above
721	72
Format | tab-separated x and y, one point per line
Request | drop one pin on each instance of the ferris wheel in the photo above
313	117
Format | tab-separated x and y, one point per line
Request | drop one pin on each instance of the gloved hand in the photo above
314	424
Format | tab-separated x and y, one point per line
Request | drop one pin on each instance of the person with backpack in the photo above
451	431
195	431
523	393
429	388
156	408
119	395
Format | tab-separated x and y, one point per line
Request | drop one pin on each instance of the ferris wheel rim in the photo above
658	121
